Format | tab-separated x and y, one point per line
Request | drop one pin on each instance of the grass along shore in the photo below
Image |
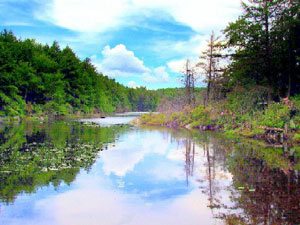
276	124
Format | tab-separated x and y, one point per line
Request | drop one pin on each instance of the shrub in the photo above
296	111
243	101
296	103
201	116
180	117
52	107
276	115
296	138
154	119
13	105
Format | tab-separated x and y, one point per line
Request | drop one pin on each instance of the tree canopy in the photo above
267	43
36	78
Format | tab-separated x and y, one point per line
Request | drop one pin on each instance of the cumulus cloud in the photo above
132	84
120	62
122	158
158	75
176	66
99	16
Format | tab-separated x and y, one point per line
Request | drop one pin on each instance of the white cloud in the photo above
158	75
177	66
122	158
99	16
190	48
147	77
120	62
85	16
132	84
161	73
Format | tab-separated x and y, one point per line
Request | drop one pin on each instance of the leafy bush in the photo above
296	120
296	109
154	119
12	105
243	101
296	103
52	107
201	116
180	117
276	115
296	138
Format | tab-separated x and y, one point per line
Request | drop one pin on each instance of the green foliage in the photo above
52	107
296	108
296	102
154	119
266	45
252	132
243	100
56	81
296	138
12	104
276	115
296	120
33	155
180	118
201	116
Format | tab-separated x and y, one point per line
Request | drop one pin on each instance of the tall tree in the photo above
266	41
209	63
189	79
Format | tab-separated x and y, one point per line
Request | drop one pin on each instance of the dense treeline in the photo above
266	39
42	79
257	93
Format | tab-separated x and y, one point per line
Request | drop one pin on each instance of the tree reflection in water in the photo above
189	158
266	195
265	182
34	155
262	182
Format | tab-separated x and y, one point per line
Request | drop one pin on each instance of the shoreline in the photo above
270	135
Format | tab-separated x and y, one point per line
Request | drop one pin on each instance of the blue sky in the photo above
136	42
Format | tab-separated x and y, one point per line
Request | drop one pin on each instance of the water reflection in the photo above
34	155
57	173
265	185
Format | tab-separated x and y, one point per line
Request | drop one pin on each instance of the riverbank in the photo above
45	118
275	125
42	118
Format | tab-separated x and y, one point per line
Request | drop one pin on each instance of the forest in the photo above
259	86
259	52
267	42
252	75
38	79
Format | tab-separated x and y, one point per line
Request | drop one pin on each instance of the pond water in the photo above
71	172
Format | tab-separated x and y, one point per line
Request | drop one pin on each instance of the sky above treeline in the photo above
136	42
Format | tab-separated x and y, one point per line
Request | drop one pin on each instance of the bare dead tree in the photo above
209	63
189	80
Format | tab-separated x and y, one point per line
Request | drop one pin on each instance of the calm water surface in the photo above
81	173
